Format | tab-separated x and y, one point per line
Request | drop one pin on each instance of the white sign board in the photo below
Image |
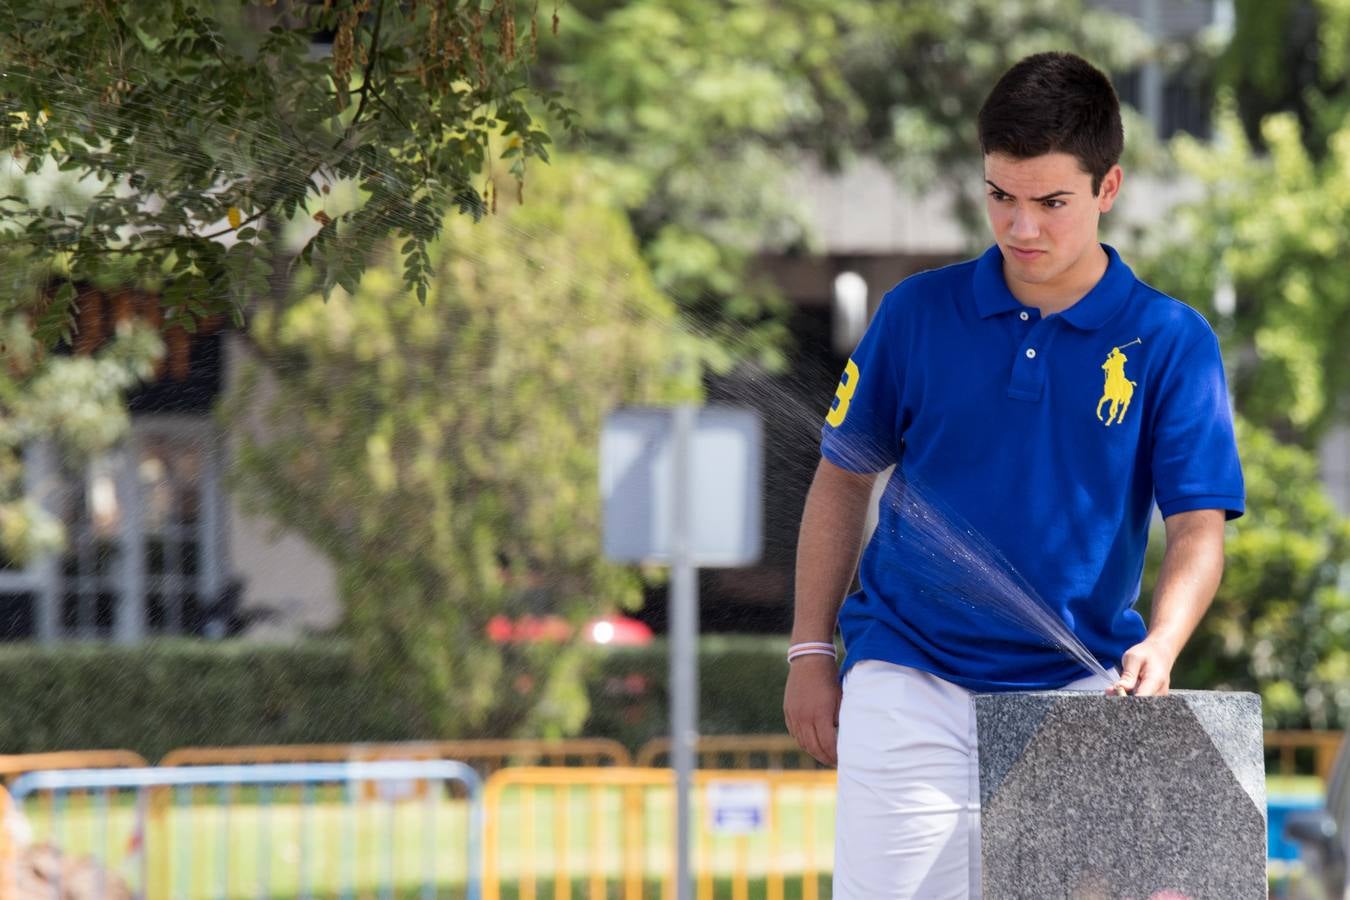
637	485
737	807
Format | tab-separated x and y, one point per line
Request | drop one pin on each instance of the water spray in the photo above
949	561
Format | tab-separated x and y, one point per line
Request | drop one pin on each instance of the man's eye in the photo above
999	197
1053	204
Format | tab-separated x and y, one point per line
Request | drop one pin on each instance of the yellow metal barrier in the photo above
15	764
484	756
9	847
598	833
734	751
1323	744
780	751
11	818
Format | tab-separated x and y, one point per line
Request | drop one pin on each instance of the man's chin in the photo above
1034	272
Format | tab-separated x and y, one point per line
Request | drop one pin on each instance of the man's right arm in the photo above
828	546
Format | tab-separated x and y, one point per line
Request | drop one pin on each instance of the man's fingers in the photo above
1127	681
830	740
816	736
802	733
826	742
806	740
811	708
1132	665
1142	676
1151	685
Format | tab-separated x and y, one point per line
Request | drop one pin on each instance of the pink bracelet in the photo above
814	651
811	648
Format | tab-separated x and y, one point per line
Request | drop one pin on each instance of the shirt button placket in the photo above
1028	373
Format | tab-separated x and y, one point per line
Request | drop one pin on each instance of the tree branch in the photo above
366	75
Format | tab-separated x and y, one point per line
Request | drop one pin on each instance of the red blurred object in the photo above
618	631
608	631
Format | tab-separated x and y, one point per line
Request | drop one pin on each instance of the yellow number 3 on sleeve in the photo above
844	394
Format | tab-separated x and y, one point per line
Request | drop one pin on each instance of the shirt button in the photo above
1025	315
1031	353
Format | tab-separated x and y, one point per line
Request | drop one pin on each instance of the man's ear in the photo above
1110	188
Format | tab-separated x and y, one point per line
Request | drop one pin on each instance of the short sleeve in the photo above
1194	453
861	426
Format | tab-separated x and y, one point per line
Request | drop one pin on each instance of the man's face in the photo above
1045	216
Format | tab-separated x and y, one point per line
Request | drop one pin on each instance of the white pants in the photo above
908	814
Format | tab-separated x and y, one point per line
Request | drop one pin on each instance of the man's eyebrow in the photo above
1034	199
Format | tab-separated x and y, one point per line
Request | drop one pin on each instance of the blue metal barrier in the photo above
285	812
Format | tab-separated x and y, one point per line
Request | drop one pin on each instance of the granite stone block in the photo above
1092	797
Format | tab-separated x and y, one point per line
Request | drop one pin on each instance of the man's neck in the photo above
1058	295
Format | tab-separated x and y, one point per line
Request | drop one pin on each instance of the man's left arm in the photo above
1191	568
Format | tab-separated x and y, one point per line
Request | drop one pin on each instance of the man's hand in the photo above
1146	670
1191	568
811	706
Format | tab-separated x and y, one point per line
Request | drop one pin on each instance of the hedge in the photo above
168	694
178	693
740	689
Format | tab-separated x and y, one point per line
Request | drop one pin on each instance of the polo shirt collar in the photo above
1092	311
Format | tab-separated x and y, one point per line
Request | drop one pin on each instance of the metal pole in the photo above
683	645
40	468
130	623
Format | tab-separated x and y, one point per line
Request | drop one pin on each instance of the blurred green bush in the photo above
167	694
740	689
162	695
180	693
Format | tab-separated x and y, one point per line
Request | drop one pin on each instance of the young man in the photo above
1048	398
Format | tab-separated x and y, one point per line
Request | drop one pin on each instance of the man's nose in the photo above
1024	224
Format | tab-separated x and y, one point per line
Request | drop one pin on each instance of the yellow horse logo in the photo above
1118	389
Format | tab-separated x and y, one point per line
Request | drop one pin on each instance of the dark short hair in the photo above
1054	103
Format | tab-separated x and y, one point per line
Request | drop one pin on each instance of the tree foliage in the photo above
1290	56
205	126
76	403
1268	231
1274	226
706	111
444	456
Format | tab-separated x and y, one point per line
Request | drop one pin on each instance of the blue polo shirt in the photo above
1052	437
